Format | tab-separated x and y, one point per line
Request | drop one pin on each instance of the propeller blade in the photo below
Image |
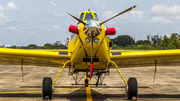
69	14
119	14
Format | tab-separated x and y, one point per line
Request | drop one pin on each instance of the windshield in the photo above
96	17
81	17
88	16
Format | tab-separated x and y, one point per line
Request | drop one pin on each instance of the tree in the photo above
143	42
48	46
32	46
14	46
174	35
155	41
123	40
67	40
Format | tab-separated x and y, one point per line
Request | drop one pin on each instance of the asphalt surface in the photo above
165	88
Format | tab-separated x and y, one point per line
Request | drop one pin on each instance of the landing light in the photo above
96	41
87	40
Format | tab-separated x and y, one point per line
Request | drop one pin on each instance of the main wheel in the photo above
132	88
47	88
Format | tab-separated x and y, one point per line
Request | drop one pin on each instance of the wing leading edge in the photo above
50	58
145	58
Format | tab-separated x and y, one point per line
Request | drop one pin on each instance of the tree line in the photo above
126	42
120	42
56	45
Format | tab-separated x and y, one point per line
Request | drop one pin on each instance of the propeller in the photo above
119	14
69	14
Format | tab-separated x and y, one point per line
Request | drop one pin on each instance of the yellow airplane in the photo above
90	51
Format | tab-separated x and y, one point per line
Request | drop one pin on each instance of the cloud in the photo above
25	27
102	5
11	6
137	13
95	2
59	14
56	27
8	20
23	20
11	28
165	10
1	8
108	14
2	16
1	22
159	19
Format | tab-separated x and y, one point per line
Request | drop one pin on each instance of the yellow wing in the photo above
50	58
145	58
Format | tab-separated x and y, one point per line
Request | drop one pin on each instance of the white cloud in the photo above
22	20
11	28
108	14
24	27
2	16
177	17
102	5
165	10
59	14
56	27
160	20
1	22
95	2
1	8
137	13
11	6
7	20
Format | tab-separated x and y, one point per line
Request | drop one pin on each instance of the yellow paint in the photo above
60	72
88	90
70	46
39	91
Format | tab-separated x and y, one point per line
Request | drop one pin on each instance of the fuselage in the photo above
90	41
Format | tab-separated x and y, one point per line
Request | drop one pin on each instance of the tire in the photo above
47	88
132	88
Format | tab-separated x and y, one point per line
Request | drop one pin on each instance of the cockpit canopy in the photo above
88	15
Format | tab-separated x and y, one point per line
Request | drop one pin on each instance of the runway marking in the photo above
39	91
88	92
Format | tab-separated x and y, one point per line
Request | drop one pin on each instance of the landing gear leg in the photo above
48	86
98	79
131	87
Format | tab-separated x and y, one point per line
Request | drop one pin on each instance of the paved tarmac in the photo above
165	88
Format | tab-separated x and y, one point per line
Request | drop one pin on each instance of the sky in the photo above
24	22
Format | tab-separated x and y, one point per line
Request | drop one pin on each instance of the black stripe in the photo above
63	53
116	54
